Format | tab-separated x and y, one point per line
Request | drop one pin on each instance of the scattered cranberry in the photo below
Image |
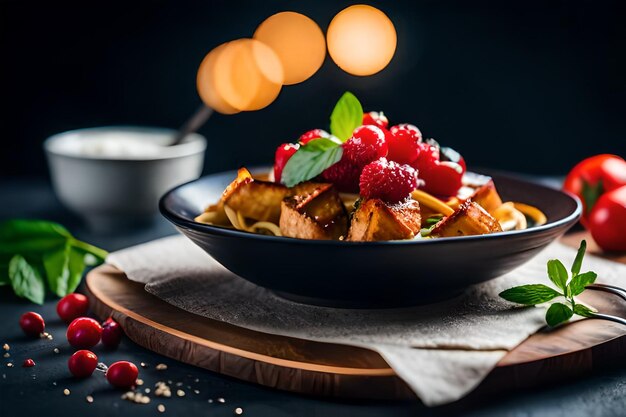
111	333
122	374
367	144
82	363
28	363
375	118
72	306
84	333
388	180
313	134
32	324
283	153
344	175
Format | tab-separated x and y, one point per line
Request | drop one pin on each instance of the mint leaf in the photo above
56	264
31	236
590	194
558	313
311	160
579	282
346	116
578	262
76	266
529	295
583	310
557	273
26	280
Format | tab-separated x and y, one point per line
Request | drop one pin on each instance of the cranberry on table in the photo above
84	333
82	363
111	333
122	374
72	306
28	363
32	324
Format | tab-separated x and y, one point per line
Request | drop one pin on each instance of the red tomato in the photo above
607	221
593	177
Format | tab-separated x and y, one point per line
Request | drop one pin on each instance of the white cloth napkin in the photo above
442	351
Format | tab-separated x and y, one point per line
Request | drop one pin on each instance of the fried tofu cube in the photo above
255	199
469	219
487	197
315	212
376	220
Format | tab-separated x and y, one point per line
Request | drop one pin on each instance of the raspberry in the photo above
313	134
283	153
388	180
409	128
344	175
367	144
375	118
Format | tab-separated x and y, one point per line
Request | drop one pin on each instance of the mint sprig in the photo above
316	156
36	252
558	312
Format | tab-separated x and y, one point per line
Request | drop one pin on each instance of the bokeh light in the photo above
361	40
205	83
297	40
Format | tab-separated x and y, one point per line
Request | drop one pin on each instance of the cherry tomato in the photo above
312	134
442	178
72	306
375	118
84	333
122	374
82	363
283	153
593	177
607	221
32	324
111	333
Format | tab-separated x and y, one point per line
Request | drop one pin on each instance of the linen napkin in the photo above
442	351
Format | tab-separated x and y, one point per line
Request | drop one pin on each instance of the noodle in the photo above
432	202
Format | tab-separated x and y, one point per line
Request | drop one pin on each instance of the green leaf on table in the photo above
557	273
31	236
580	281
583	310
578	261
530	295
346	116
56	265
77	267
558	313
26	280
310	161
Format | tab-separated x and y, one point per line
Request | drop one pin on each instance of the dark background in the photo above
529	86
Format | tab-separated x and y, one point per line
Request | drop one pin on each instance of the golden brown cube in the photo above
469	219
376	220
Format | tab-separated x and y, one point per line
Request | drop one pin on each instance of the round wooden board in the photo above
337	370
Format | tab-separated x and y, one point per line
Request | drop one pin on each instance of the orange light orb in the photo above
361	40
205	83
297	40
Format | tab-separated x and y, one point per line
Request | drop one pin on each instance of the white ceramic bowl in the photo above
114	176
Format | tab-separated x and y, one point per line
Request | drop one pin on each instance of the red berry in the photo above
404	146
344	175
82	363
388	180
367	144
122	374
313	134
283	153
72	306
411	129
32	324
442	178
84	333
28	363
111	333
375	118
428	157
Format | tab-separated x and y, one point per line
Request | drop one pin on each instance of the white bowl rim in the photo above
193	144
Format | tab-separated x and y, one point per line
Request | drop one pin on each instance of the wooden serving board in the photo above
334	370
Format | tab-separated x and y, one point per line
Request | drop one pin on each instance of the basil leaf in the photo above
579	282
558	313
57	269
76	270
529	295
26	280
346	116
31	236
557	273
578	262
583	310
310	161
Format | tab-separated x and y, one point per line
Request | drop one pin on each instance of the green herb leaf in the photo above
558	313
529	295
31	236
579	282
578	262
311	160
26	280
77	267
557	273
591	193
346	116
583	310
56	264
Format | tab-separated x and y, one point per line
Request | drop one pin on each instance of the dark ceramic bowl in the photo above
369	274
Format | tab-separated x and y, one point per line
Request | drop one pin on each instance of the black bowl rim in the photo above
222	231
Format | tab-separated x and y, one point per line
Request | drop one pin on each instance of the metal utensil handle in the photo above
620	292
608	317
